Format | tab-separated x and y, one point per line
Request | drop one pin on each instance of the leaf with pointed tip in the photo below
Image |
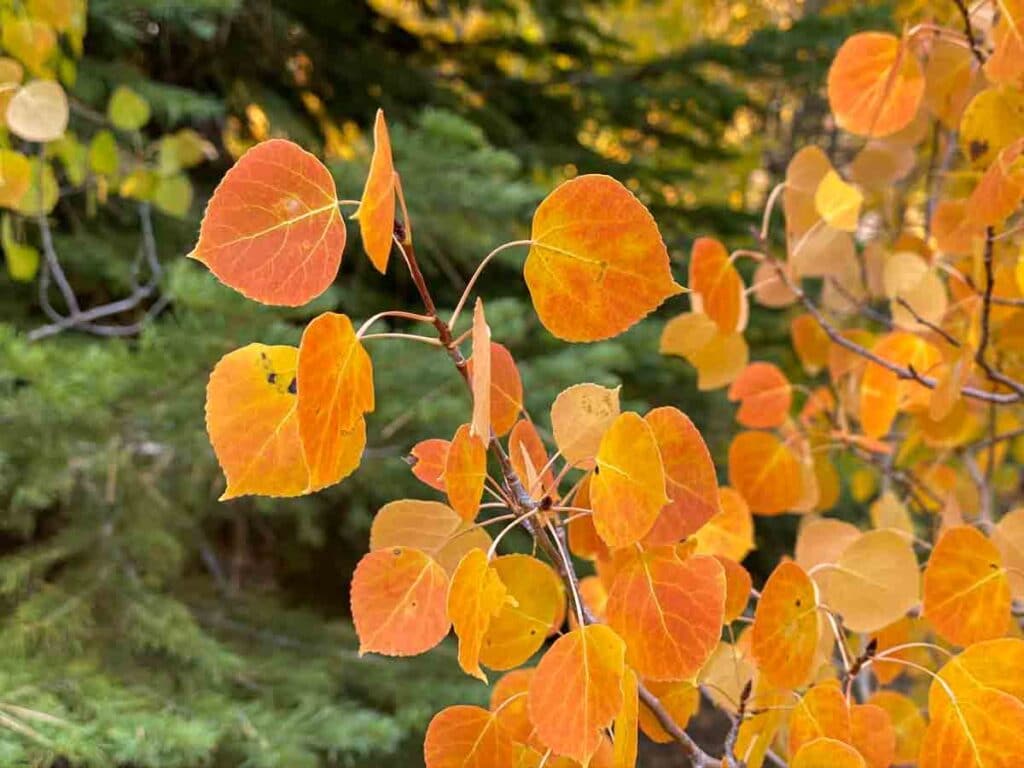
376	212
335	379
786	627
597	263
252	420
272	230
506	389
398	602
627	489
668	610
475	596
430	526
464	736
765	471
765	396
717	288
428	458
529	459
480	426
577	690
580	416
465	470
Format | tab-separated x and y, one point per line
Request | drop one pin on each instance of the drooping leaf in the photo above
786	627
476	595
376	212
717	288
399	602
465	470
480	425
597	263
506	389
765	396
272	230
464	736
627	489
765	471
429	526
577	691
580	416
668	610
335	384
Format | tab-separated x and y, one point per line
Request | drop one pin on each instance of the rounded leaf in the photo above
786	627
475	596
430	526
467	737
428	458
907	723
827	753
580	416
821	712
127	110
716	287
765	472
765	396
730	533
38	111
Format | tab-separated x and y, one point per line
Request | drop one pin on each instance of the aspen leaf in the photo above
38	111
15	177
428	458
335	381
954	233
874	582
1005	65
873	735
31	41
252	420
690	479
949	75
577	691
398	602
999	192
716	287
991	664
627	489
580	416
430	526
765	396
821	712
519	629
907	723
983	728
875	84
726	674
627	723
765	472
508	702
475	596
465	470
680	699
786	627
822	540
769	289
966	592
480	426
528	457
737	588
730	533
882	393
668	610
757	733
22	260
127	110
718	357
889	512
597	263
464	736
827	753
376	212
272	230
506	393
1008	536
810	342
173	195
993	119
881	163
838	203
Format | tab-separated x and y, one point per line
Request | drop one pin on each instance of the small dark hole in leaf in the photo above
293	387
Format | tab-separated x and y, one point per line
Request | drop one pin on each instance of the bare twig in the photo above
965	14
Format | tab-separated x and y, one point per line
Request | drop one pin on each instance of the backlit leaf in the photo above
22	260
528	457
15	174
475	596
506	389
428	458
668	610
597	263
627	723
429	526
907	723
1008	536
873	735
376	213
1005	65
882	393
398	602
737	588
827	753
627	489
717	288
272	230
765	396
983	728
467	737
730	533
765	472
838	203
335	382
577	691
38	111
1000	190
580	416
719	358
786	627
993	119
821	712
508	702
680	699
480	426
465	470
810	342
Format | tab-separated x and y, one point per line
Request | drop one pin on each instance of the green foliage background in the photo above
143	623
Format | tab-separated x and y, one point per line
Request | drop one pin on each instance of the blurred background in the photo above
142	623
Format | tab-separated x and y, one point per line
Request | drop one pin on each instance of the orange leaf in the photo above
508	702
828	753
966	592
680	699
668	610
272	230
475	596
580	416
786	627
528	457
376	212
765	472
428	458
398	602
765	396
882	393
690	478
1005	65
999	192
730	533
627	489
954	233
983	728
335	377
467	737
626	723
717	288
252	419
506	389
597	264
577	691
873	735
737	588
480	426
875	84
906	721
465	469
821	712
537	600
430	526
810	342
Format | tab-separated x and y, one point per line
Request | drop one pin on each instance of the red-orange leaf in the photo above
872	733
398	602
765	472
668	610
528	457
475	596
464	471
627	489
428	458
252	419
506	389
822	711
467	737
480	379
272	230
786	627
690	478
577	691
335	379
597	264
717	287
376	213
765	395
